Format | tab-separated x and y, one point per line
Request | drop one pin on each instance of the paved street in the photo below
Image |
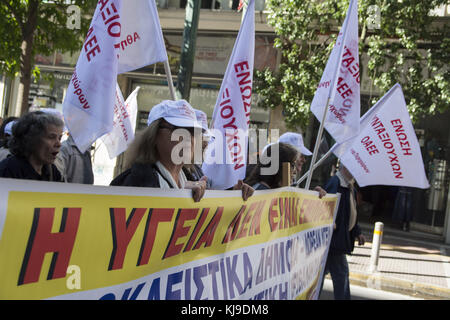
411	263
363	293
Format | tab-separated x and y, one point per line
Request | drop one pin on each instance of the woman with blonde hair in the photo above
151	162
155	158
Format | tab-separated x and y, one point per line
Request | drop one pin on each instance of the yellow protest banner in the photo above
85	242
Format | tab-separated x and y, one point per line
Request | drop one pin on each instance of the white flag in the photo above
386	151
340	82
141	42
89	101
124	125
226	158
117	41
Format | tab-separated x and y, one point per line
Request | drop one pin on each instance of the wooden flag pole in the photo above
169	79
286	174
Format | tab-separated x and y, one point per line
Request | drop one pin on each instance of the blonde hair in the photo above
143	149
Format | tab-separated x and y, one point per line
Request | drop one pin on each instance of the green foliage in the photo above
410	47
49	34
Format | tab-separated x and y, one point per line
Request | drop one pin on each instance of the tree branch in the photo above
15	14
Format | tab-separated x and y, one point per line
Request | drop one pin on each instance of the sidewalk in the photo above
411	263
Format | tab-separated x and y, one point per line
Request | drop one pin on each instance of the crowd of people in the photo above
31	148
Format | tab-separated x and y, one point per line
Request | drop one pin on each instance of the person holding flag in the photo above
296	140
263	181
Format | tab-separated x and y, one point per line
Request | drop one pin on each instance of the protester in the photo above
5	129
5	136
261	181
193	171
346	231
75	166
296	140
150	162
34	147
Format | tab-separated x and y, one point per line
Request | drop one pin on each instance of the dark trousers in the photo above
337	266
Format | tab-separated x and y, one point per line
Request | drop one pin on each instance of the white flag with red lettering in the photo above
386	150
141	42
226	157
124	125
116	42
340	82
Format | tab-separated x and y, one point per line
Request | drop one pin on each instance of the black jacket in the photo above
139	175
343	240
19	168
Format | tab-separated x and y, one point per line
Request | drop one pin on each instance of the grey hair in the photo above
28	131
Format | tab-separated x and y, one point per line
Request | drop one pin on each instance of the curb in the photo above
411	288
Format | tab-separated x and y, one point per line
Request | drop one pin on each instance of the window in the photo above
222	4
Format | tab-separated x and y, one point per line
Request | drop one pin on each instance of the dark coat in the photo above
342	241
139	175
19	168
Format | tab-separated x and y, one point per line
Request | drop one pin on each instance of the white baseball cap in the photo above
296	140
202	118
8	127
178	113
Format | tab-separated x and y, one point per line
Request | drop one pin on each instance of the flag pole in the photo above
316	146
318	163
169	79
